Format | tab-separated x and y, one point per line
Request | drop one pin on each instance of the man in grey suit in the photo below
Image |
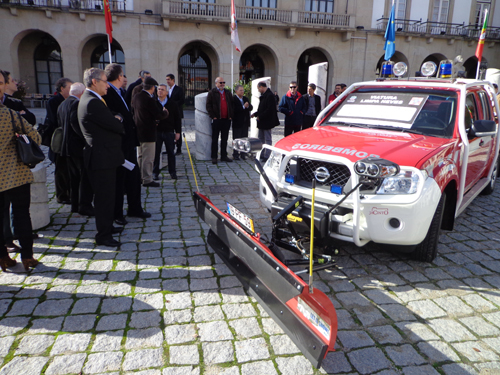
103	153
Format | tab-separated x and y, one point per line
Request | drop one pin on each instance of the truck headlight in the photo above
405	182
274	162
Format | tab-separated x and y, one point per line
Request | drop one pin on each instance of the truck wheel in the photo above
426	251
491	186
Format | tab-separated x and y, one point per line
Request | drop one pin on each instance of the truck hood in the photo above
358	143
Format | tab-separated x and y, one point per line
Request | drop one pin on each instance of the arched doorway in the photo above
309	57
257	61
100	56
470	66
397	57
436	58
48	64
195	71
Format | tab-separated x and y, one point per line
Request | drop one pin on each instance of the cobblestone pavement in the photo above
163	303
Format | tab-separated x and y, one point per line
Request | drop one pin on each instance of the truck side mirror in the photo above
482	128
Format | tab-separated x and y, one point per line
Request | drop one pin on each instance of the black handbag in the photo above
30	153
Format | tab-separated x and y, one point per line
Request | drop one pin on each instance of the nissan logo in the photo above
322	174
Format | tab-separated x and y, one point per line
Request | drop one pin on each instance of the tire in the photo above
426	251
491	186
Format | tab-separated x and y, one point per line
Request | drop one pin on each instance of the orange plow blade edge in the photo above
309	319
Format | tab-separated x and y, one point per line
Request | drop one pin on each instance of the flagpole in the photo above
477	70
483	28
109	51
232	67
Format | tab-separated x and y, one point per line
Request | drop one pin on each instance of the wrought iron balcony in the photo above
264	14
85	5
327	19
439	28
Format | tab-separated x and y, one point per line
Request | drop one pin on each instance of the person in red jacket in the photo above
339	89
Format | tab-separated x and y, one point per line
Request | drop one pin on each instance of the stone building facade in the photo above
47	39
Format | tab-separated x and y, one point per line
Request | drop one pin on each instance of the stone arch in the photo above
470	66
397	57
98	43
265	56
311	56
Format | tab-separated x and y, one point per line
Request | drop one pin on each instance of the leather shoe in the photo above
12	248
226	159
121	221
156	177
236	157
63	202
151	184
214	161
87	211
142	215
117	230
111	243
179	152
174	176
243	157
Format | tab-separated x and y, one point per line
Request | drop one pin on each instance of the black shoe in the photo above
121	221
12	248
243	157
236	157
174	176
142	215
117	230
156	177
214	161
87	211
179	152
151	184
36	236
164	153
226	159
63	202
111	243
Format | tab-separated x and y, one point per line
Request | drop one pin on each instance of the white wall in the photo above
378	11
495	22
461	12
130	5
420	10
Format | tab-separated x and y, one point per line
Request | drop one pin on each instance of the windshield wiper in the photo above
349	124
413	131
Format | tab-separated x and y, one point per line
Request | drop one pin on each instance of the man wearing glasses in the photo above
293	106
220	110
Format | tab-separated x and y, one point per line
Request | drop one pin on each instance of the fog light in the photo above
395	223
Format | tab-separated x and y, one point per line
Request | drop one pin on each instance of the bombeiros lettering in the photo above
336	150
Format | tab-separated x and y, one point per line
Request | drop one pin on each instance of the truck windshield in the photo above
426	112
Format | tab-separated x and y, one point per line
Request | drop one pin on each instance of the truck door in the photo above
479	147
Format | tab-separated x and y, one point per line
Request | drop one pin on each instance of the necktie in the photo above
104	102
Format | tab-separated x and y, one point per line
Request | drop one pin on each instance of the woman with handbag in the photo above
15	180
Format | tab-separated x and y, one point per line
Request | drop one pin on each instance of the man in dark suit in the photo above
313	107
220	109
176	94
267	117
241	118
142	75
103	153
10	102
168	131
127	181
72	149
147	112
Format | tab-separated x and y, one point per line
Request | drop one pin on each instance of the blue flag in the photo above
390	37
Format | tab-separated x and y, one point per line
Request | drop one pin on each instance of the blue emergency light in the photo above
336	189
445	69
387	69
290	178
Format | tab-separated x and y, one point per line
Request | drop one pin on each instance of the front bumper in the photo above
384	219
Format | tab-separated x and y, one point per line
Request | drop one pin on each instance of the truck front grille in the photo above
339	173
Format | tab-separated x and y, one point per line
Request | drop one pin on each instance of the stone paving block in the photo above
458	369
23	307
203	284
368	360
354	339
71	343
33	291
178	301
184	370
66	364
475	351
118	290
93	290
101	265
270	327
184	355
479	326
218	352
5	344
103	362
346	320
282	344
209	297
175	261
229	282
174	273
261	367
235	311
398	313
450	330
214	331
43	325
112	322
234	295
34	344
478	303
369	316
246	328
222	270
145	319
179	334
420	370
351	300
201	272
385	335
148	302
61	291
407	293
426	309
175	285
493	343
24	365
86	306
297	365
139	359
251	350
148	286
113	305
121	276
335	362
404	355
108	341
79	323
438	351
144	338
208	313
454	287
177	316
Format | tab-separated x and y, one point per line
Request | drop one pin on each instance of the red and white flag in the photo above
234	28
109	20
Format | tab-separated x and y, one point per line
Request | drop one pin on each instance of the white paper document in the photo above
128	165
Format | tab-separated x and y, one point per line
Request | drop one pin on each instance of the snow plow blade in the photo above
309	319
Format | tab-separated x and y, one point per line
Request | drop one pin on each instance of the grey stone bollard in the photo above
203	128
39	207
254	132
318	74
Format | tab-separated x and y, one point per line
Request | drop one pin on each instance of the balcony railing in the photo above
319	18
265	14
87	5
199	9
439	28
